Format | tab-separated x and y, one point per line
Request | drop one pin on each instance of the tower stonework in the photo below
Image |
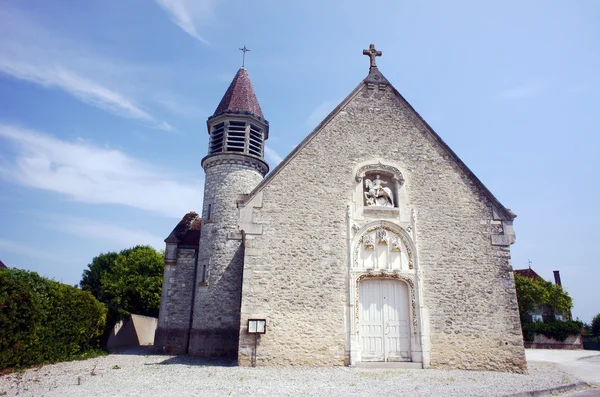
200	307
216	318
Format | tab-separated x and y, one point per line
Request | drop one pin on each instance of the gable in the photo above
379	84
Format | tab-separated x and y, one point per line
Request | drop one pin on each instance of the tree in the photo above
549	299
596	326
541	295
128	282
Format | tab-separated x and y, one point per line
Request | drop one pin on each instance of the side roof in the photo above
529	273
187	231
2	265
376	77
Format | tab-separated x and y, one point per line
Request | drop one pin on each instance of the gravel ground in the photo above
152	375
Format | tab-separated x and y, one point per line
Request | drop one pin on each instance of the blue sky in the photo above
103	108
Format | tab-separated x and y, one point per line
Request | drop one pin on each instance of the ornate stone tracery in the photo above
387	235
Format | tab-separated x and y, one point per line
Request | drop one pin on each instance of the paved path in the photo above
586	393
584	364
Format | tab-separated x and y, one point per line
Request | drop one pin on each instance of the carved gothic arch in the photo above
388	226
381	168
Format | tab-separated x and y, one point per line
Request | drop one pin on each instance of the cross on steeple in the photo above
372	53
245	50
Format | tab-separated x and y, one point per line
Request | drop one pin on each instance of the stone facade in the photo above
216	317
296	272
371	194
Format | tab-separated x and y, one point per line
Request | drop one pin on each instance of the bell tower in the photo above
234	166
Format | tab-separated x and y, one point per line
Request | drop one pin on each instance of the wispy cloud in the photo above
110	232
179	106
81	88
273	156
31	53
19	248
521	91
187	13
91	174
321	112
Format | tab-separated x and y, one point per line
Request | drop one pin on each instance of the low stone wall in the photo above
135	330
573	342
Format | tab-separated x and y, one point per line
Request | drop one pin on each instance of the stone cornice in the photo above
235	159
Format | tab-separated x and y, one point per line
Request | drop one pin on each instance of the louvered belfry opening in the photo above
238	136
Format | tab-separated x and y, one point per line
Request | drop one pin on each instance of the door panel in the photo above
371	321
384	327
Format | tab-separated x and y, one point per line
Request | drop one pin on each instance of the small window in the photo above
209	211
204	272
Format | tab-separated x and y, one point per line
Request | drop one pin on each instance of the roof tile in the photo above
239	97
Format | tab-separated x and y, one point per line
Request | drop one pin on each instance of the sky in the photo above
103	108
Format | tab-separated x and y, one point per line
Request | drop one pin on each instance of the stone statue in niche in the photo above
378	195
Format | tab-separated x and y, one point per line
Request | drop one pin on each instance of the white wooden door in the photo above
384	320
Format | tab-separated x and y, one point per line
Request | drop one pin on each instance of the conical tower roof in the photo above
239	97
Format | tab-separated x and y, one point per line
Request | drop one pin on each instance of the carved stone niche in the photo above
380	184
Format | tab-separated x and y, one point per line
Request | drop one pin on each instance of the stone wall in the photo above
296	271
216	316
176	304
573	342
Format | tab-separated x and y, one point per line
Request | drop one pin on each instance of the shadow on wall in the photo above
135	330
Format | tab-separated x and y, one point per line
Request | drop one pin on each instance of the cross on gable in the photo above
372	53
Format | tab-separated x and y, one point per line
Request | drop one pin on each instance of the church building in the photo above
370	242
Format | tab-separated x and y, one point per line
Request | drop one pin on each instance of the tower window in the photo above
237	136
203	269
256	141
216	138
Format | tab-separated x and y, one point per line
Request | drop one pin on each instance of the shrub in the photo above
45	321
595	327
558	330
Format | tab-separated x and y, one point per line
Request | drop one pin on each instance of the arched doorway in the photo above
384	320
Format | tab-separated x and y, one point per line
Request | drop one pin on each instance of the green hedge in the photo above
558	330
43	321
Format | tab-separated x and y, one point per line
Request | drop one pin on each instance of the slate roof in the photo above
187	231
239	97
192	236
529	273
2	265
